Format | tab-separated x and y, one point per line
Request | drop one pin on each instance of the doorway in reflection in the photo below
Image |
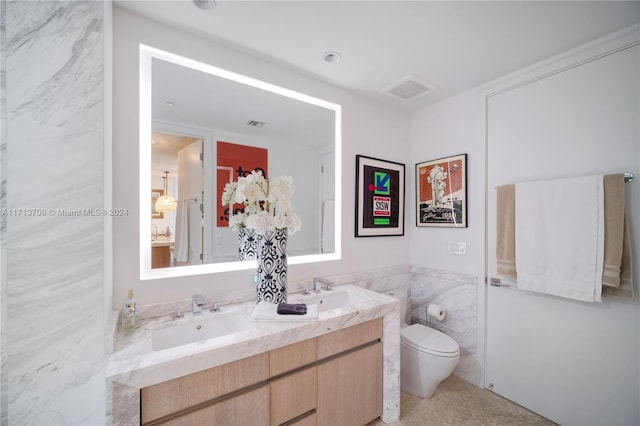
176	235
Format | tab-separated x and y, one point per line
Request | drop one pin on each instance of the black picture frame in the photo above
443	204
380	197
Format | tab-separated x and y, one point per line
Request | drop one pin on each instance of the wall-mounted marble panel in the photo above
457	293
53	60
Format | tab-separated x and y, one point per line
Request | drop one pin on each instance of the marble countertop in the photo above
161	242
134	363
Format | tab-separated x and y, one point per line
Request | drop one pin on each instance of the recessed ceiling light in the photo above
332	56
205	4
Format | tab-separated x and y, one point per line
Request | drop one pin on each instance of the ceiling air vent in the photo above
410	87
255	123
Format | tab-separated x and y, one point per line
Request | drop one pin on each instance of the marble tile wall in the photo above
3	219
457	293
454	291
54	67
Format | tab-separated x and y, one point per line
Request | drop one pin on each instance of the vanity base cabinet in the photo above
350	387
333	379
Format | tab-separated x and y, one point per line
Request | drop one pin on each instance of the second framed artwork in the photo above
441	192
379	197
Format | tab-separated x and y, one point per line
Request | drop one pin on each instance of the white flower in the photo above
229	192
267	204
237	221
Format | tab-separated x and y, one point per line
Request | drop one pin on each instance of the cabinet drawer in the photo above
350	388
348	338
184	392
293	395
251	408
292	356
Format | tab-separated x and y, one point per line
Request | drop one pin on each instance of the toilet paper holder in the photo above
435	311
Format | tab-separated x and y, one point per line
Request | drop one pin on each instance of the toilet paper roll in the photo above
436	311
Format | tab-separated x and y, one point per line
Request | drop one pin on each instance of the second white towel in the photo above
560	237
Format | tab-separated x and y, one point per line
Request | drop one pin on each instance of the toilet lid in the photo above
427	339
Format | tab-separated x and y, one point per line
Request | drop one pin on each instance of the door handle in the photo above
496	283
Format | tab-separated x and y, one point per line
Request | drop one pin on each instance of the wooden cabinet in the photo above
334	379
185	395
294	396
350	388
350	380
294	382
160	256
348	338
250	408
288	358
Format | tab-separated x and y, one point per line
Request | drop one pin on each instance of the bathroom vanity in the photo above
342	368
161	253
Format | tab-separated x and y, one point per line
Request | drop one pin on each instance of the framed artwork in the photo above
155	194
441	192
235	161
379	197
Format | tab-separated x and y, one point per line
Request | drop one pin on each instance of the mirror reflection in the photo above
208	130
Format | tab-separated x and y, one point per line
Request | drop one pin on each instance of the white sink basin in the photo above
209	327
327	300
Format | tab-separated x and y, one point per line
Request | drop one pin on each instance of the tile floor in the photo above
459	403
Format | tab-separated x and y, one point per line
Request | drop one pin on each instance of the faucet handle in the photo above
199	300
215	307
317	281
176	313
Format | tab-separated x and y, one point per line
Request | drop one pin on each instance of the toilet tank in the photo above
404	303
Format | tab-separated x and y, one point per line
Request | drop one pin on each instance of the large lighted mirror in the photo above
201	127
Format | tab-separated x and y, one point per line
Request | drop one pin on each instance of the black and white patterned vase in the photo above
272	266
247	244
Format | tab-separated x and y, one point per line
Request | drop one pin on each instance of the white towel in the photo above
560	237
182	231
266	311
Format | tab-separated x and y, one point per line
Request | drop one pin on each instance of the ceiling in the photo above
454	45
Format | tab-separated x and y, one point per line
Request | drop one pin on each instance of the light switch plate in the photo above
458	247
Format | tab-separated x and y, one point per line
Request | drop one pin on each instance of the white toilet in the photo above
427	356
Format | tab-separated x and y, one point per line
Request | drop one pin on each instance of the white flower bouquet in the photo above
267	204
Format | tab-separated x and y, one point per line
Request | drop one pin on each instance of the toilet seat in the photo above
429	341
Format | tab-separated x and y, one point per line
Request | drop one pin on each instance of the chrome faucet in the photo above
197	302
317	284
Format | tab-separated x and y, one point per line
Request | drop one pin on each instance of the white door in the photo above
572	362
189	218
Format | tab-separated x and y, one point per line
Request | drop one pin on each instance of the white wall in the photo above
450	127
368	129
453	126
